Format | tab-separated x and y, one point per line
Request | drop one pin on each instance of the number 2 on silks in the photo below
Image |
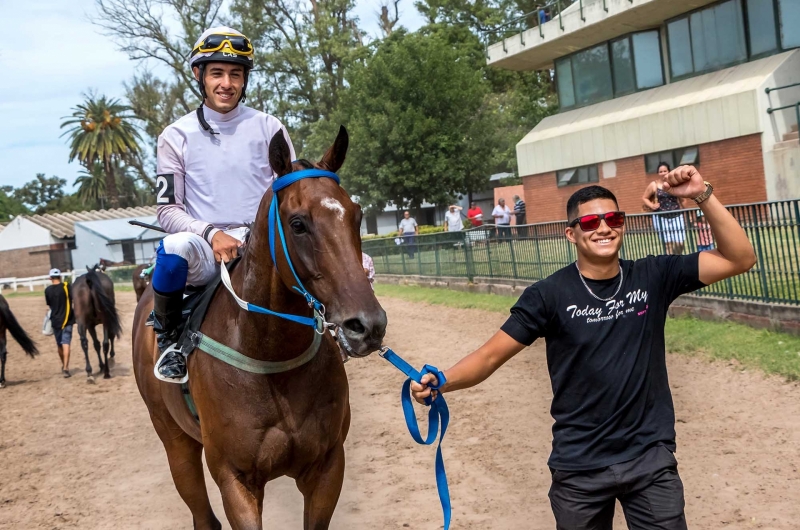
165	188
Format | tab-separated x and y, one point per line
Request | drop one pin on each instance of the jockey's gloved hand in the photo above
224	246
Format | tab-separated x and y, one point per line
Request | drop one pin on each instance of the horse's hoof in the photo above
111	362
2	384
106	376
90	380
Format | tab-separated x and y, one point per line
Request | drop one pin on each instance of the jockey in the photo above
212	170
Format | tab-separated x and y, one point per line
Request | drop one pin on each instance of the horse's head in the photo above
323	234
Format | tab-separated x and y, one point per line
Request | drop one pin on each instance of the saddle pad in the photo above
195	307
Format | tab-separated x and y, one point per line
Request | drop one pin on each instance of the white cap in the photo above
54	273
219	30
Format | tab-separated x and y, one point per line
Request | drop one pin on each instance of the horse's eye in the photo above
298	226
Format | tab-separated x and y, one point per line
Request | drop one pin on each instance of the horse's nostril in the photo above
354	325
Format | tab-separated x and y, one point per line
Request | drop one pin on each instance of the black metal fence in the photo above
533	252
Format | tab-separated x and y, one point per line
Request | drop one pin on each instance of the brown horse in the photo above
8	322
94	304
255	428
139	283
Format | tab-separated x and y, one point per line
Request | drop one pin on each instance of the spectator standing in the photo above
452	219
705	238
59	299
369	269
475	214
502	218
408	229
667	221
519	210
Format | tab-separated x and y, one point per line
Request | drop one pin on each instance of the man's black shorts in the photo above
648	488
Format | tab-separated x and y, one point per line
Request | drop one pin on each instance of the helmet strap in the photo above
203	123
244	86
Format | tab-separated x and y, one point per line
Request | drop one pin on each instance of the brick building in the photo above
30	245
715	84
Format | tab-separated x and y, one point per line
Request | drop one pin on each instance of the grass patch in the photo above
771	352
487	302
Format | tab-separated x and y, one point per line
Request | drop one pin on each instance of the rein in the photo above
276	227
438	413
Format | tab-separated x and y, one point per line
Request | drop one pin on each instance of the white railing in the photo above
44	281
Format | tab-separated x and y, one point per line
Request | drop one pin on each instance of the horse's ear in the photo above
280	156
335	156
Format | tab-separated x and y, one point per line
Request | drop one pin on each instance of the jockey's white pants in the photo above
198	254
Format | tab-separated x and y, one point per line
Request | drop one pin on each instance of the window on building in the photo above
790	23
716	38
566	91
761	27
622	62
647	56
577	175
591	69
685	156
680	47
128	252
586	77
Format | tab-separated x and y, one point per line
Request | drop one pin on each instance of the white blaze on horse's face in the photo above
336	206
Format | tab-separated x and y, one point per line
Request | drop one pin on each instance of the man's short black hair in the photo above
583	195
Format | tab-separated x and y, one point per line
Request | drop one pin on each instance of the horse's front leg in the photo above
321	489
242	500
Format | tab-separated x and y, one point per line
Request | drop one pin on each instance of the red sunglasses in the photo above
590	223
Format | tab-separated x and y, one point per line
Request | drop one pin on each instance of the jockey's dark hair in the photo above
665	164
584	195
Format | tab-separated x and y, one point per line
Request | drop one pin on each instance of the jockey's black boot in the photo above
166	320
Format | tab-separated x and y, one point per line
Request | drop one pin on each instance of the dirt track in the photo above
74	455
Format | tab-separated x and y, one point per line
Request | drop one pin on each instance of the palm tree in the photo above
92	184
101	131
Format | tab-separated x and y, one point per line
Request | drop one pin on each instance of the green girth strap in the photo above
234	358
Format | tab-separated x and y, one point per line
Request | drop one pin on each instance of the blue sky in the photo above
60	55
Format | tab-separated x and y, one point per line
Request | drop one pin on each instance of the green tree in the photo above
303	48
419	130
101	130
10	205
42	195
91	184
140	29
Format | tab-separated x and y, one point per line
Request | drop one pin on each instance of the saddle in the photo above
195	307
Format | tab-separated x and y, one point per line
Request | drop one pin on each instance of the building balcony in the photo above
583	24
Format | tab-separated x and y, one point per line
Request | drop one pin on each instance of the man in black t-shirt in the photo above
58	297
602	319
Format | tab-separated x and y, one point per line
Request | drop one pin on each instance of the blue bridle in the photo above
276	227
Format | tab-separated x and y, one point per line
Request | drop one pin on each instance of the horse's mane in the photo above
304	163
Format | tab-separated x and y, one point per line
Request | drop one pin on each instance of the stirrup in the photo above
182	380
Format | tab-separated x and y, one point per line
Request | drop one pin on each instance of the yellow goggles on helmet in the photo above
238	44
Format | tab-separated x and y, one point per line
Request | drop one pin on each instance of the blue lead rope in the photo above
438	413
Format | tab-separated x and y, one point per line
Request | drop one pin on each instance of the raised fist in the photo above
685	182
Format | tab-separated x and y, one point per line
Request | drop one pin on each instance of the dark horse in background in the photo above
255	428
93	301
9	322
